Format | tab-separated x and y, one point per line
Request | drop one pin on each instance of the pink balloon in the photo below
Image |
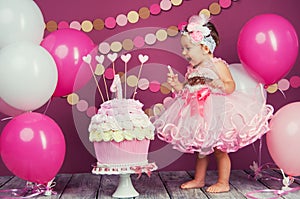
268	47
8	109
33	147
68	46
283	138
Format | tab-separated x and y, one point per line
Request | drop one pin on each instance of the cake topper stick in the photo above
105	84
112	57
125	59
143	59
125	79
87	59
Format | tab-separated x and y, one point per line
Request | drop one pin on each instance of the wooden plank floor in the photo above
161	185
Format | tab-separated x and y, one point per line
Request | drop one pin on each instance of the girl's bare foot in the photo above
192	184
218	188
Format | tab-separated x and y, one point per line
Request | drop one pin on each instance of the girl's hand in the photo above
174	82
217	83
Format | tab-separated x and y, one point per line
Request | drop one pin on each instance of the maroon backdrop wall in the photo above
229	22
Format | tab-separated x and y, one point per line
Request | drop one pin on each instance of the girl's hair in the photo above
202	31
213	32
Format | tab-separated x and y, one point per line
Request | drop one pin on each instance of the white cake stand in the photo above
125	188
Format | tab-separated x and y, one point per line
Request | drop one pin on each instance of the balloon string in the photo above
48	104
259	152
6	118
139	75
30	190
278	193
282	93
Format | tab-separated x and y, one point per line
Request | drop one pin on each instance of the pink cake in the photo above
121	133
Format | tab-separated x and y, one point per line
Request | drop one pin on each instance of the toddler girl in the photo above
208	115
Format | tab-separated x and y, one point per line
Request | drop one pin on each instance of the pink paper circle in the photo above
91	111
82	105
139	41
110	22
225	3
143	84
155	9
104	48
154	86
63	25
109	73
150	38
121	20
166	101
284	84
181	25
75	25
295	81
165	5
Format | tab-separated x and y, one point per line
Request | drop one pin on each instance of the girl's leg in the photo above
224	166
200	171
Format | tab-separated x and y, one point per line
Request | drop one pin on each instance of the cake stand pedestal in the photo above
125	188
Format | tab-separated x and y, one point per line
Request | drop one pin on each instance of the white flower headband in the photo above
198	32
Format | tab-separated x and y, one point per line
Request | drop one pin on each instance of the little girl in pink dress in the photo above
208	115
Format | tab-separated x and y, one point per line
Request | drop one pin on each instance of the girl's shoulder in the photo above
218	60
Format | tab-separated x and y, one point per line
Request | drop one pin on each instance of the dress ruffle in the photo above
226	122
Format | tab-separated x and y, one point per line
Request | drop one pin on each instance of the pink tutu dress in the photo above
201	118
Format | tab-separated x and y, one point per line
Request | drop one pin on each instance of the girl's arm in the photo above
226	82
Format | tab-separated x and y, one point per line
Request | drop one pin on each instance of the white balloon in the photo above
244	82
242	78
20	20
28	75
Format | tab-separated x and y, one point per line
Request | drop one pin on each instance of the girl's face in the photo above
194	54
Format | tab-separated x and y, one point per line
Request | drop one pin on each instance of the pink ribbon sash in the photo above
196	101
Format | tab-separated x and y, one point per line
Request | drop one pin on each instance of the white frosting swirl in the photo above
120	119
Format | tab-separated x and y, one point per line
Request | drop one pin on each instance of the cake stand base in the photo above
125	188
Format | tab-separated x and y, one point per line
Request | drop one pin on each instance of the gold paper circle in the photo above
149	112
161	35
165	88
99	69
132	81
87	26
272	88
73	99
176	2
158	108
144	13
127	44
133	16
205	12
122	76
116	46
214	8
98	24
172	31
51	26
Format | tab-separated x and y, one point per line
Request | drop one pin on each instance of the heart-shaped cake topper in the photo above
112	57
100	59
87	59
143	58
126	58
